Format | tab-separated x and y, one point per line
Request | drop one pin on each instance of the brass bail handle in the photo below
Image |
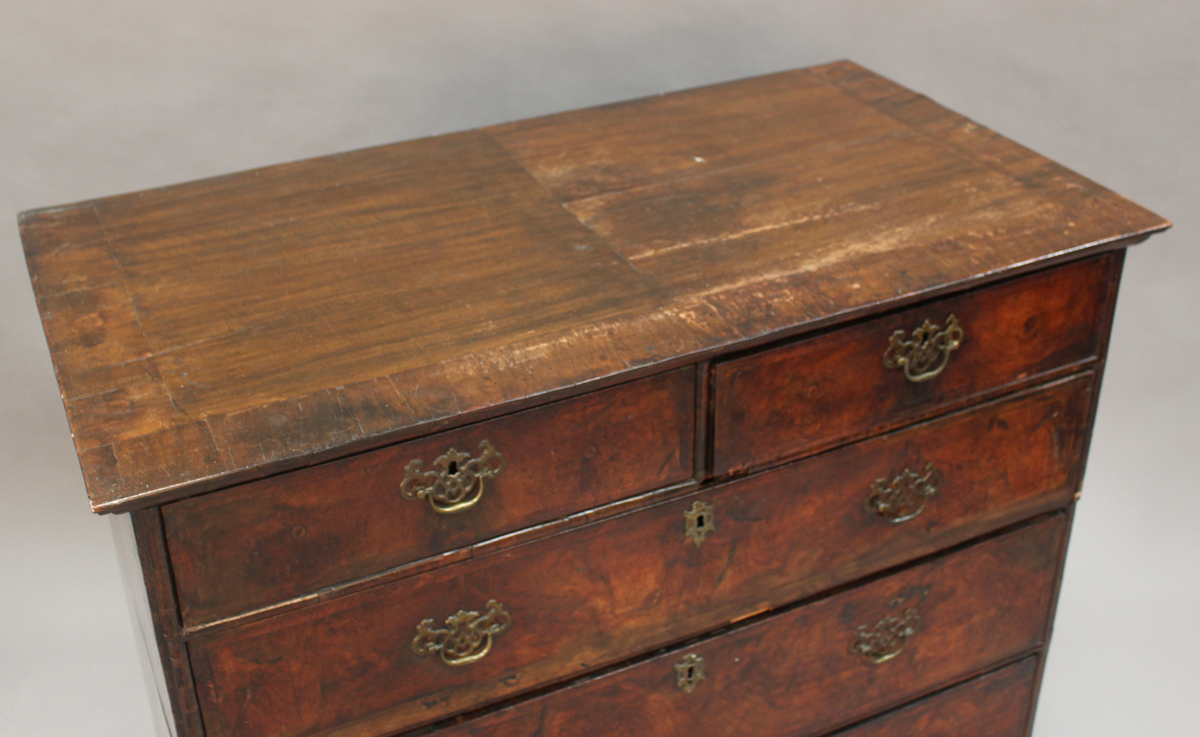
455	483
926	353
904	497
886	639
466	636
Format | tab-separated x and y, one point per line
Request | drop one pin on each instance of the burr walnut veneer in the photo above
759	408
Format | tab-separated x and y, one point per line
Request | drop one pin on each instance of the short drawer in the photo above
823	665
996	704
266	541
629	584
797	399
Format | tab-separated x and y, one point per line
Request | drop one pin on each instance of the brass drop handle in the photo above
467	636
925	355
886	639
903	497
456	481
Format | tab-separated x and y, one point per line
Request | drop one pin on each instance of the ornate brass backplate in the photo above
886	639
698	521
925	354
904	497
456	481
689	672
467	636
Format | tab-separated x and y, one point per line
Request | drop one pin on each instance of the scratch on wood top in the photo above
216	331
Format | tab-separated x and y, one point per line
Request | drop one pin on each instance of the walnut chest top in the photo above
214	332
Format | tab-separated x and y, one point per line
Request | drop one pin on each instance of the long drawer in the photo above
292	534
823	665
610	590
993	705
799	398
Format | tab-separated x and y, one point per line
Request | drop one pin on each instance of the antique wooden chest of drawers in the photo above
759	408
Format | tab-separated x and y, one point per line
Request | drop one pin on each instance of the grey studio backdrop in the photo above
98	98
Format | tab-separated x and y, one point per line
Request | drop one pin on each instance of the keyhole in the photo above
696	526
691	672
453	469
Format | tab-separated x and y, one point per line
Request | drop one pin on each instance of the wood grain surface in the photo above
164	611
629	584
292	534
218	331
793	674
805	396
993	705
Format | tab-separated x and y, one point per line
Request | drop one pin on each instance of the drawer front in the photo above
628	584
800	398
996	705
814	668
285	536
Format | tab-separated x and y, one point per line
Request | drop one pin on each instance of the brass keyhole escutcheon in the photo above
903	497
455	483
698	522
926	354
467	636
689	672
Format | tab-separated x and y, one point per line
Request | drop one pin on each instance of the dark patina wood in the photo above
633	583
794	675
292	534
995	705
213	332
164	612
820	391
669	315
